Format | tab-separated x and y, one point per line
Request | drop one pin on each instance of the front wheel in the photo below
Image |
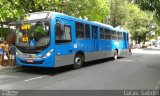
115	57
78	61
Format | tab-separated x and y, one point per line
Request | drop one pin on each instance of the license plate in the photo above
30	61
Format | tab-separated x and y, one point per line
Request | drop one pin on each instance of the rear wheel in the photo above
115	57
78	61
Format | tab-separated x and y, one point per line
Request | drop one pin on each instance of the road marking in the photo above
35	78
158	86
126	60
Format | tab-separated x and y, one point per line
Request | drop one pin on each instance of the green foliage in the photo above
4	32
91	9
129	16
9	10
39	29
151	5
94	10
118	12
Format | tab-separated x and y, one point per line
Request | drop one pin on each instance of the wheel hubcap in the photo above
115	55
78	60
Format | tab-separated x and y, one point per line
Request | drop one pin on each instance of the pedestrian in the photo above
1	53
130	49
12	54
6	53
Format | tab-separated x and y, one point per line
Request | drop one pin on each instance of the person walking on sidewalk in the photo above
1	53
12	54
130	49
6	53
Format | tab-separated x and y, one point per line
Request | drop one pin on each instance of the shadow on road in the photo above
59	70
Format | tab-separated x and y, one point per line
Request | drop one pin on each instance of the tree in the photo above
94	10
78	8
118	12
130	17
9	10
139	25
151	5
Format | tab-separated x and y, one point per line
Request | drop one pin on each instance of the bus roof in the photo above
50	14
120	30
82	20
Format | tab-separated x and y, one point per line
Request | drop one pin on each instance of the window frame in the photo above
102	33
119	35
76	31
67	41
93	35
106	31
113	35
85	31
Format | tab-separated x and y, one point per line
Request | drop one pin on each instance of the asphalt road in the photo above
138	71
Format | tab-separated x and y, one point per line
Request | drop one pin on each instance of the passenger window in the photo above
119	35
107	34
79	30
114	35
87	30
101	33
94	32
63	36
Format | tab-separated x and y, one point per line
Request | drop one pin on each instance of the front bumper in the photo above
41	62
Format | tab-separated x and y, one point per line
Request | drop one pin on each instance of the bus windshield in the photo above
32	35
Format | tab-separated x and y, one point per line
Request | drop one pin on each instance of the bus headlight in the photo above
48	54
18	53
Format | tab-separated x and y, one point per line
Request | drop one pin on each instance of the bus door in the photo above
95	37
63	42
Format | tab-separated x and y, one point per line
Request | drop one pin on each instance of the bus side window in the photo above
119	35
79	30
63	36
94	32
107	34
87	31
101	33
114	35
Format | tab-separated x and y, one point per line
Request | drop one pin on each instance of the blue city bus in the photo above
52	39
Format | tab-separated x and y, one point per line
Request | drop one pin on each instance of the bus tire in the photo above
115	57
78	61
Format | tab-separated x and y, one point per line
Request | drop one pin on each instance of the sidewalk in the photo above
7	67
153	47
